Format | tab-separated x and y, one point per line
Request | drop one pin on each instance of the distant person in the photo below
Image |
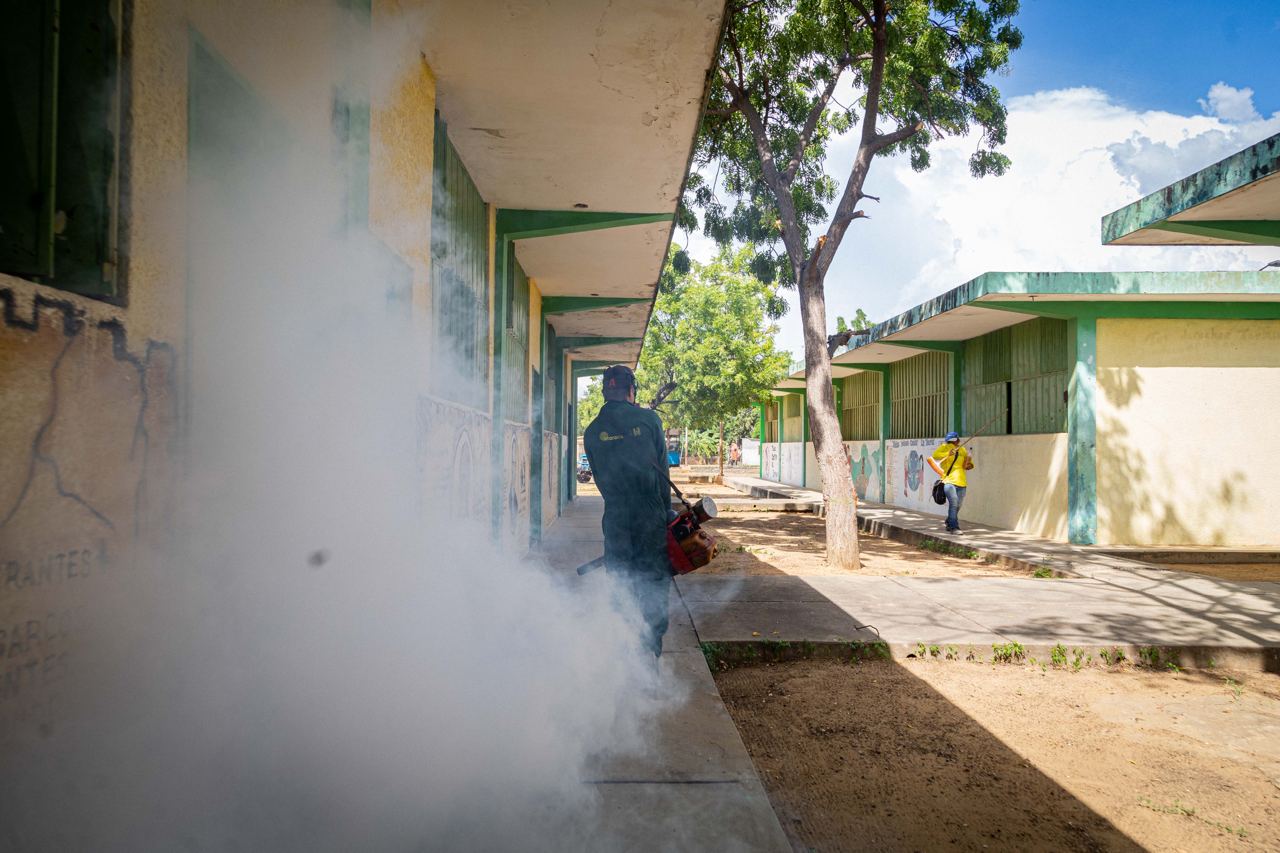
950	461
627	448
735	455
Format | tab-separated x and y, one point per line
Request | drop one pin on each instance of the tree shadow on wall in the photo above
1162	503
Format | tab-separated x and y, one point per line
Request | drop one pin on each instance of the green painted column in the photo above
886	412
957	389
804	439
760	434
1082	431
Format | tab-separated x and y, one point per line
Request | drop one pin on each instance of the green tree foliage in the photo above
920	71
589	404
711	334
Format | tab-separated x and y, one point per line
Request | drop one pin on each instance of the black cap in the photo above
619	376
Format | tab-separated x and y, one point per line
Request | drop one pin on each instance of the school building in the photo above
1110	408
512	169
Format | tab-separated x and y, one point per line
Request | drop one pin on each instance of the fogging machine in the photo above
689	547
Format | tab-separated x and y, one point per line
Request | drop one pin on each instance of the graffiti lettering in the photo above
62	567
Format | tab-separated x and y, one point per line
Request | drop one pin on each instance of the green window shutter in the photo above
87	107
28	87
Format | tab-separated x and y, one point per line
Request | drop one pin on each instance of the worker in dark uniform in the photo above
626	446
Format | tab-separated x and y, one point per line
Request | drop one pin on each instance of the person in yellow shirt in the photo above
950	462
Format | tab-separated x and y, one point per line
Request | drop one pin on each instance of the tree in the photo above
920	69
589	404
712	334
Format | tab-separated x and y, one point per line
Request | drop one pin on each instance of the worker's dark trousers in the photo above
637	557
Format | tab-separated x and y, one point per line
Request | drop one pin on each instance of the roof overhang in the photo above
1234	202
579	107
995	300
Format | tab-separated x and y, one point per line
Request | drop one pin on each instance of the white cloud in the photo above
1229	103
1077	155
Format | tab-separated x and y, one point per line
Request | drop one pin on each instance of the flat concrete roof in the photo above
991	301
1234	202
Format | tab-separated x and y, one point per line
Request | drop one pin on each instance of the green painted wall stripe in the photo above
1082	451
569	304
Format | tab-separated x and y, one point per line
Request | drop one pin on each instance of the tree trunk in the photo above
720	450
841	501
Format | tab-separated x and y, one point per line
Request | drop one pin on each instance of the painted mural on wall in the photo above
866	465
792	466
910	479
517	447
88	420
453	451
552	443
771	465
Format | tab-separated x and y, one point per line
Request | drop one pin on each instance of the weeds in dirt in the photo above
1153	657
714	653
859	651
1042	572
1189	811
1113	656
948	549
1007	653
1058	655
1237	689
953	653
1077	659
971	655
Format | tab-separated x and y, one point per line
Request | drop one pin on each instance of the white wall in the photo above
792	473
1019	482
771	468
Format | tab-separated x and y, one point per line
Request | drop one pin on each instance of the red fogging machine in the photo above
689	547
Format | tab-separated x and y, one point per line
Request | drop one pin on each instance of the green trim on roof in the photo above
1261	232
1050	284
1184	310
582	342
517	224
1240	169
568	304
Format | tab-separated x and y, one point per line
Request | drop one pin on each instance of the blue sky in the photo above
1150	55
1107	102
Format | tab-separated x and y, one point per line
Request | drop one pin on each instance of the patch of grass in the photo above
1189	811
1113	656
948	549
1042	572
1007	653
1237	689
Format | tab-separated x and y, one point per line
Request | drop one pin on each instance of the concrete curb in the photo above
728	653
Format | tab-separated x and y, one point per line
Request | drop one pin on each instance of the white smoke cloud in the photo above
328	655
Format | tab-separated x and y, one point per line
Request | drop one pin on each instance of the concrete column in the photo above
1082	429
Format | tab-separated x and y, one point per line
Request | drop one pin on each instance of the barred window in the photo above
860	406
1015	379
918	388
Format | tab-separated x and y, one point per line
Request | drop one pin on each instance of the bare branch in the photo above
862	9
884	140
811	121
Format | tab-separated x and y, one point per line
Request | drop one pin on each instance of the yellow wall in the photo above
92	394
1187	413
1019	482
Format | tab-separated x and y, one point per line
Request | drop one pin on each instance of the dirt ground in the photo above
1231	571
792	543
929	755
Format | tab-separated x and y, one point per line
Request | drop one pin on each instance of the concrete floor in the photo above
696	789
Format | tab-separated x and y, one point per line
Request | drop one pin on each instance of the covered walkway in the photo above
697	788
